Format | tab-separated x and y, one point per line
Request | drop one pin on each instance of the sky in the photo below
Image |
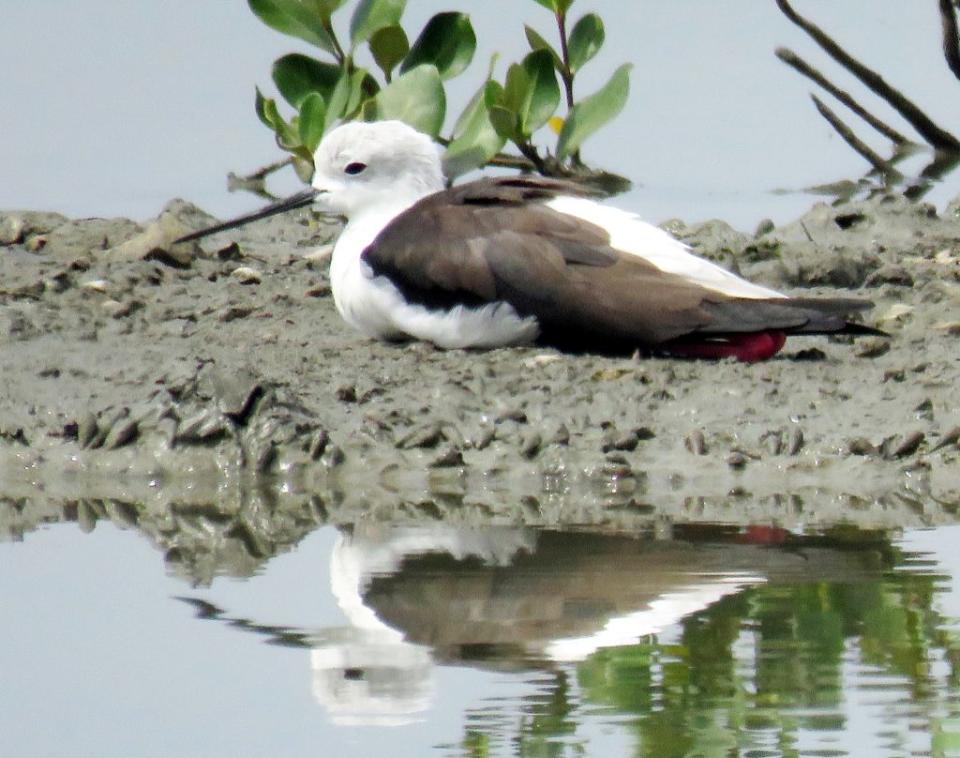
115	108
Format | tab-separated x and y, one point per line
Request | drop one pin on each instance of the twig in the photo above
502	160
797	63
262	173
565	74
933	172
933	134
855	142
951	36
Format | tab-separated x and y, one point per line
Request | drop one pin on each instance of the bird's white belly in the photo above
374	306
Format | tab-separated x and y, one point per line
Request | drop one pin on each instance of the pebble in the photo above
318	444
11	230
335	456
422	437
530	445
201	427
512	414
561	436
346	393
87	429
696	443
796	442
449	458
36	243
247	275
873	347
737	460
265	457
908	445
950	438
861	446
484	438
122	433
95	285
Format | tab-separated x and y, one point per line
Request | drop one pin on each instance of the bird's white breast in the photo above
374	306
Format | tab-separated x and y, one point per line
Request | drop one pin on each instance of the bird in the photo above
523	260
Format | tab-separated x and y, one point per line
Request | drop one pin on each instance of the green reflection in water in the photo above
775	669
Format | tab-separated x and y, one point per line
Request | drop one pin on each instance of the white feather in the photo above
375	307
400	166
631	234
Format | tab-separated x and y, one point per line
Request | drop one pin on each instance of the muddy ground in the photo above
133	371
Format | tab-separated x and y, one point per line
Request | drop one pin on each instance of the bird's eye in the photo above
354	168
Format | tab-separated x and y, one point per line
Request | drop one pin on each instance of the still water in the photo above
130	629
128	632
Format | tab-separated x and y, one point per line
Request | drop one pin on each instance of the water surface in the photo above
445	639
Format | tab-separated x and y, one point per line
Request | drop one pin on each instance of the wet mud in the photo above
138	372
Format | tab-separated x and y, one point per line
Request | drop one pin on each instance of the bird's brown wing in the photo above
495	241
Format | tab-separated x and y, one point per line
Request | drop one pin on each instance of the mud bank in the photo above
129	366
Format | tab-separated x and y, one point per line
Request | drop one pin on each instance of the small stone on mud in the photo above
246	275
908	445
696	443
318	443
234	312
861	446
423	437
122	433
873	347
950	327
950	438
448	459
95	285
795	444
512	414
808	354
483	438
737	460
36	243
346	393
335	456
890	274
11	230
530	445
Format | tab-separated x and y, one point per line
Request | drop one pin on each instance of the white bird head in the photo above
379	167
362	166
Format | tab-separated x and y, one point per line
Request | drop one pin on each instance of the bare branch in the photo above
951	36
933	134
796	62
855	142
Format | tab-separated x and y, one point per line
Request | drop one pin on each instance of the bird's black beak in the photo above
298	200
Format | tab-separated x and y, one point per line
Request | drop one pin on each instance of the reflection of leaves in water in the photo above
770	658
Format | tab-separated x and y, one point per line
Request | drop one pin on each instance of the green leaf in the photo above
503	118
537	42
389	46
294	18
585	40
313	120
557	6
594	111
260	106
543	94
516	88
475	140
504	121
297	75
416	98
326	8
371	16
287	136
447	41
